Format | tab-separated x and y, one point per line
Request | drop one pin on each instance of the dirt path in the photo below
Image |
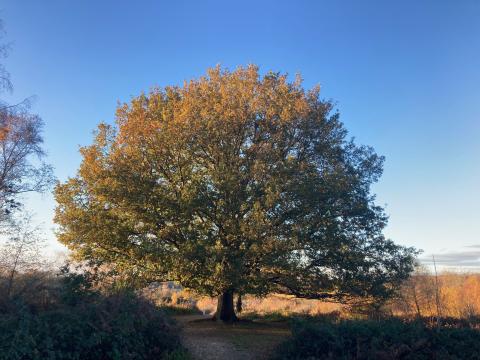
209	340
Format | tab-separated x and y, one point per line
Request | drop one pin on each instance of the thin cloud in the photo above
477	246
469	256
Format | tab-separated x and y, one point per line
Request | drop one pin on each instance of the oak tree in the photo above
234	183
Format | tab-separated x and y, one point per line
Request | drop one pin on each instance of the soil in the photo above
206	339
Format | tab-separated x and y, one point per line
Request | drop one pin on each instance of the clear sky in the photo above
405	76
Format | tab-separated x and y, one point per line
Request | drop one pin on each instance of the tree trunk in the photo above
225	308
239	303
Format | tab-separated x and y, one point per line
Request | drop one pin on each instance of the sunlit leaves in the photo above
233	182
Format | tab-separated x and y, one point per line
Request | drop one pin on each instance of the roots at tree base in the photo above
225	309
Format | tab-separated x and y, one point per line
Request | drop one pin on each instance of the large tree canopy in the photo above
233	183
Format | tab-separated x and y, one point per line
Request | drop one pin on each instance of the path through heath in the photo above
206	339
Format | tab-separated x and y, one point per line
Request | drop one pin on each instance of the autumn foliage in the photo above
235	183
458	295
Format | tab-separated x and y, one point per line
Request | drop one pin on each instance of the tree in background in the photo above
22	168
233	184
20	254
5	82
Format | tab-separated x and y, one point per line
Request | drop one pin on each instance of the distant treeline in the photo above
449	294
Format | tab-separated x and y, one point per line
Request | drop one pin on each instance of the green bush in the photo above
385	339
83	324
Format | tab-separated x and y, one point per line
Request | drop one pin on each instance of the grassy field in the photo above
458	296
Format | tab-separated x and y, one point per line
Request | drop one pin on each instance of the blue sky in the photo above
404	75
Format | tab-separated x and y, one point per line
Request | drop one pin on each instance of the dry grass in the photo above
458	295
275	303
287	305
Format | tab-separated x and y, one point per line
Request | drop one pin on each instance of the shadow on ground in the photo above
247	340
